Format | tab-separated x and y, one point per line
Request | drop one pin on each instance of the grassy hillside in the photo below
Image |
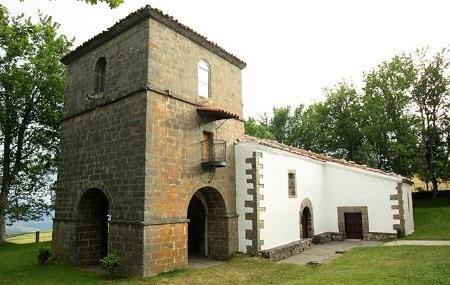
29	238
431	216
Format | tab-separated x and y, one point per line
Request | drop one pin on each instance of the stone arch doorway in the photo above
306	219
208	225
197	228
306	223
92	229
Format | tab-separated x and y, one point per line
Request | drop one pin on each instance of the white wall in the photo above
347	186
282	215
408	208
328	186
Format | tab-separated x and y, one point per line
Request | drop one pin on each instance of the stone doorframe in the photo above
353	209
306	203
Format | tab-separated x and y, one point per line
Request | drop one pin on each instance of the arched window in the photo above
203	73
100	71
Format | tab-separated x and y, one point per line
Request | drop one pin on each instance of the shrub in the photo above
111	263
43	255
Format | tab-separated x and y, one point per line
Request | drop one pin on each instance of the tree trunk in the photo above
435	186
2	228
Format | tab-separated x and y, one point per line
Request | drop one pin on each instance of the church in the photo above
155	166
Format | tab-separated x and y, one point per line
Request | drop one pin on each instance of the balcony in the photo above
214	153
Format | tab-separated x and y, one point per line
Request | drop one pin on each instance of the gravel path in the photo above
418	242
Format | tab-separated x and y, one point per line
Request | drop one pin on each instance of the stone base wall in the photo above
327	237
165	248
285	251
63	240
126	240
379	236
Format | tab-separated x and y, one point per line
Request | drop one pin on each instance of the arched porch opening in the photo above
208	225
92	229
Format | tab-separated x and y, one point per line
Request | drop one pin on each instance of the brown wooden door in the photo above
207	138
353	225
304	225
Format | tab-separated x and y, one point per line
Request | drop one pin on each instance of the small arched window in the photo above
203	76
100	71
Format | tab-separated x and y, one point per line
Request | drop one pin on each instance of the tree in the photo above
111	3
307	128
31	99
279	124
257	129
388	123
431	96
343	118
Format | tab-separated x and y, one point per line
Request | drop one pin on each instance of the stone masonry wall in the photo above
103	149
174	130
138	143
254	172
126	71
174	172
400	226
173	65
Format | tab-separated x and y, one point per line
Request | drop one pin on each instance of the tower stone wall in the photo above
137	143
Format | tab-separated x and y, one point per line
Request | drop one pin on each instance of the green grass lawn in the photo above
374	265
431	218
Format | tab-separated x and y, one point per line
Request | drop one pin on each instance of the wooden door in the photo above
207	141
353	225
304	222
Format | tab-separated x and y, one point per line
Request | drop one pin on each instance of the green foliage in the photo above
387	122
257	129
431	97
110	3
44	254
399	121
31	99
111	263
343	121
279	124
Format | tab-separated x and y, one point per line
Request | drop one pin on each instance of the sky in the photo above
293	49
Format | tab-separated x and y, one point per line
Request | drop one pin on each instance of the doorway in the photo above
353	225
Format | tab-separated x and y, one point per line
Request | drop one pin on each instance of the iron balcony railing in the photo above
214	153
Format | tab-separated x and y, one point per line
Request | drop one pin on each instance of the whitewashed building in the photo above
287	197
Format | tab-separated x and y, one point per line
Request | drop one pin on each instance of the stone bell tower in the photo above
152	111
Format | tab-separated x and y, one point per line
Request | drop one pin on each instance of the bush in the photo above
111	263
43	255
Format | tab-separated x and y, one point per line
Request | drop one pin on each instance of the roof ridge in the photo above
149	12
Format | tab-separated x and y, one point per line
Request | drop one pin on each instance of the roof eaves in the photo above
320	157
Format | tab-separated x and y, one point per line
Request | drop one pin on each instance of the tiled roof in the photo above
216	112
144	13
319	157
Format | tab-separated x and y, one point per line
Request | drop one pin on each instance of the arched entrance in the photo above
92	229
208	224
306	219
197	228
